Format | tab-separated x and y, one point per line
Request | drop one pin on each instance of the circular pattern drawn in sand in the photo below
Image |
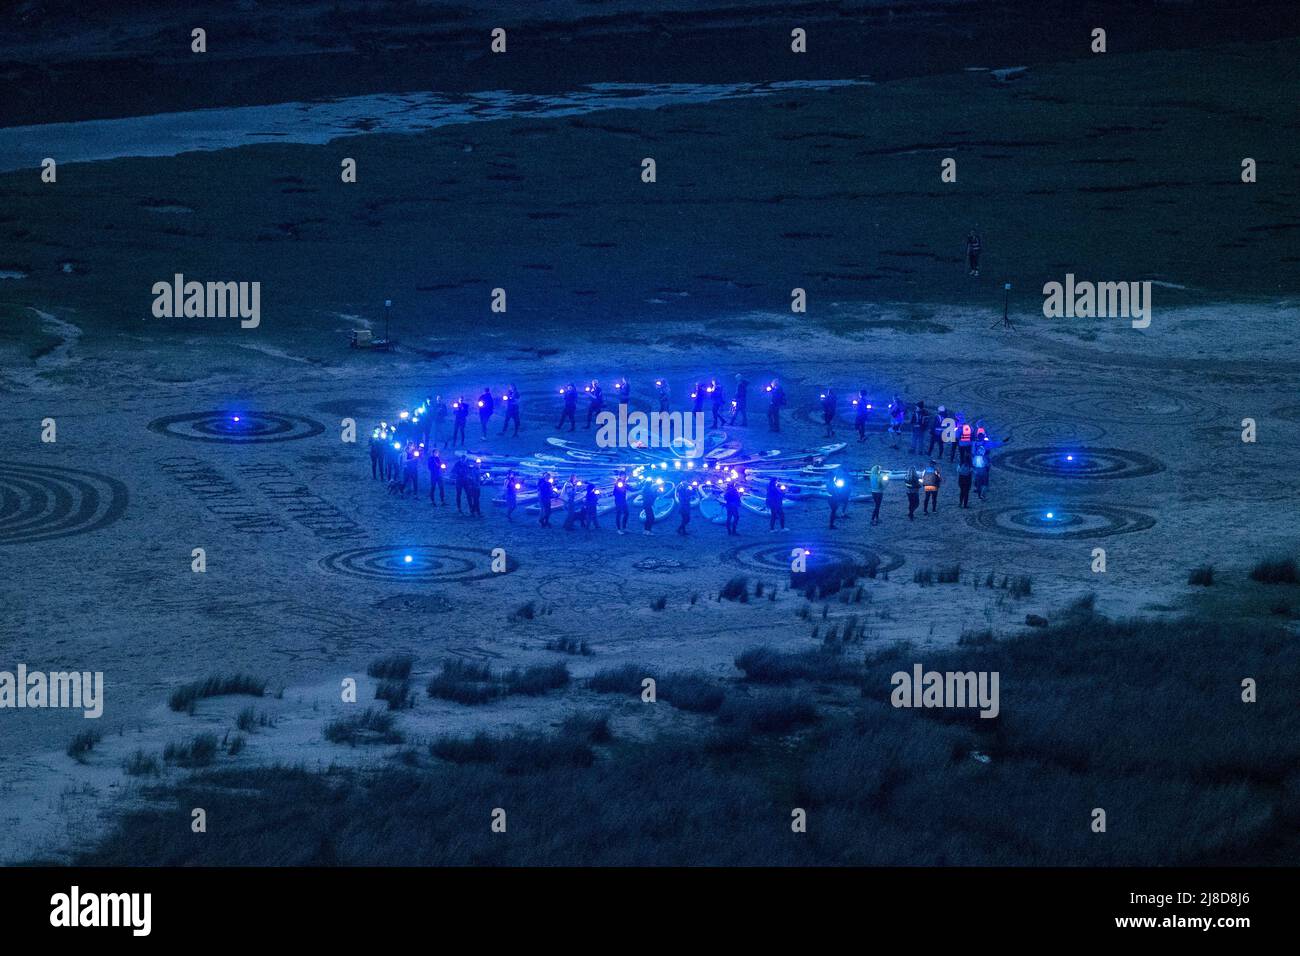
1080	463
582	592
40	503
237	428
1073	521
1075	399
417	564
777	557
660	565
1066	433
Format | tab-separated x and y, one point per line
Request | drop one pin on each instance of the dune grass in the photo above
184	698
1144	719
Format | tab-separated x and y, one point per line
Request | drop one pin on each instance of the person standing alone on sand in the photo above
973	254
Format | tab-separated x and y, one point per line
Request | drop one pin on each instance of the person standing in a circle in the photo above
973	254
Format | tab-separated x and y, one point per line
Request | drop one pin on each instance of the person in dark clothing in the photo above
436	469
936	431
596	405
960	431
698	396
620	503
897	413
685	494
861	412
740	404
828	411
513	484
376	454
912	484
973	253
964	473
460	414
731	499
485	408
460	478
622	391
411	469
570	393
920	422
775	504
393	460
439	413
839	496
545	495
649	497
590	507
424	421
775	402
661	390
511	401
475	489
717	403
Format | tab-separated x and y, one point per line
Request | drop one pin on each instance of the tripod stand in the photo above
1006	322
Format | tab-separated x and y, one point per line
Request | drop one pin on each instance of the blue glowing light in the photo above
407	559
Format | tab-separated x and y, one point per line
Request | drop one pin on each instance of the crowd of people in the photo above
419	440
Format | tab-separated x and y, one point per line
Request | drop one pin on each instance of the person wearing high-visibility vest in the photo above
931	479
965	438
